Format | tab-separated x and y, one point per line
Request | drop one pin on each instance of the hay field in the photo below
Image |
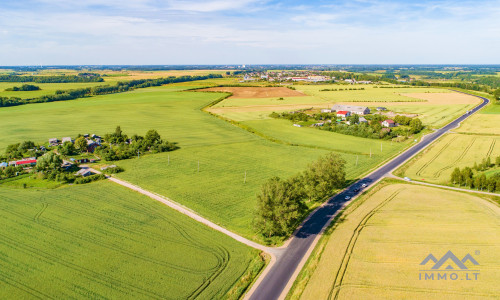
487	121
436	163
436	107
255	92
103	241
375	250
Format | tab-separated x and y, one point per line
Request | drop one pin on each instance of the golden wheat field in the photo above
375	250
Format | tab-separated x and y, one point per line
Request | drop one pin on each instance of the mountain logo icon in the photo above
448	260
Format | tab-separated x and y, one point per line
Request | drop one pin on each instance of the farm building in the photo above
53	142
362	120
389	123
380	108
297	125
83	173
326	110
67	139
91	145
359	110
27	162
343	114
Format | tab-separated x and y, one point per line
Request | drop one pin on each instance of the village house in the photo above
326	110
343	114
359	110
388	123
67	139
53	142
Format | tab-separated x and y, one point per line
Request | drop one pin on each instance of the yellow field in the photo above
481	124
435	107
436	163
375	251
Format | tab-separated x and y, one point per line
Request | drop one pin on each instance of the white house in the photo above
388	123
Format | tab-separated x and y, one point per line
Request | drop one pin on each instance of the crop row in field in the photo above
375	249
436	163
104	241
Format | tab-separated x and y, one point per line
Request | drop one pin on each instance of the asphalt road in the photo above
278	276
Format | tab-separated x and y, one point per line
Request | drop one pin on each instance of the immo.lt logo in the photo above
449	267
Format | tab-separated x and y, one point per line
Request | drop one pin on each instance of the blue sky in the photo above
64	32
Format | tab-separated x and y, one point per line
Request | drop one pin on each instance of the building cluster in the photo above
93	141
25	163
286	76
345	111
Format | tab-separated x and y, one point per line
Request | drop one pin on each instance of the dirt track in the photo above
256	92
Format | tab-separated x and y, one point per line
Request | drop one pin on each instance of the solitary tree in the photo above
81	144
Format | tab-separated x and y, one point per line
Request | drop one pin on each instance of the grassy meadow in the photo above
375	249
103	241
436	163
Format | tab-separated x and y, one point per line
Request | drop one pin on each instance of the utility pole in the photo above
245	179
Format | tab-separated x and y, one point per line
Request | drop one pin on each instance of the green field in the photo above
225	152
375	250
171	113
45	88
436	163
102	241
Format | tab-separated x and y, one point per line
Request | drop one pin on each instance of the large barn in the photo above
359	110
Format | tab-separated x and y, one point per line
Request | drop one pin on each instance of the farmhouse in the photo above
388	123
67	139
359	110
91	145
343	114
53	142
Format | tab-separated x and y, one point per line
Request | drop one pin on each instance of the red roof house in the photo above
343	113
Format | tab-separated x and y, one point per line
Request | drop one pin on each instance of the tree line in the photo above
120	87
24	87
282	203
468	178
81	77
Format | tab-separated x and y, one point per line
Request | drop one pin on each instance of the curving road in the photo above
276	281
